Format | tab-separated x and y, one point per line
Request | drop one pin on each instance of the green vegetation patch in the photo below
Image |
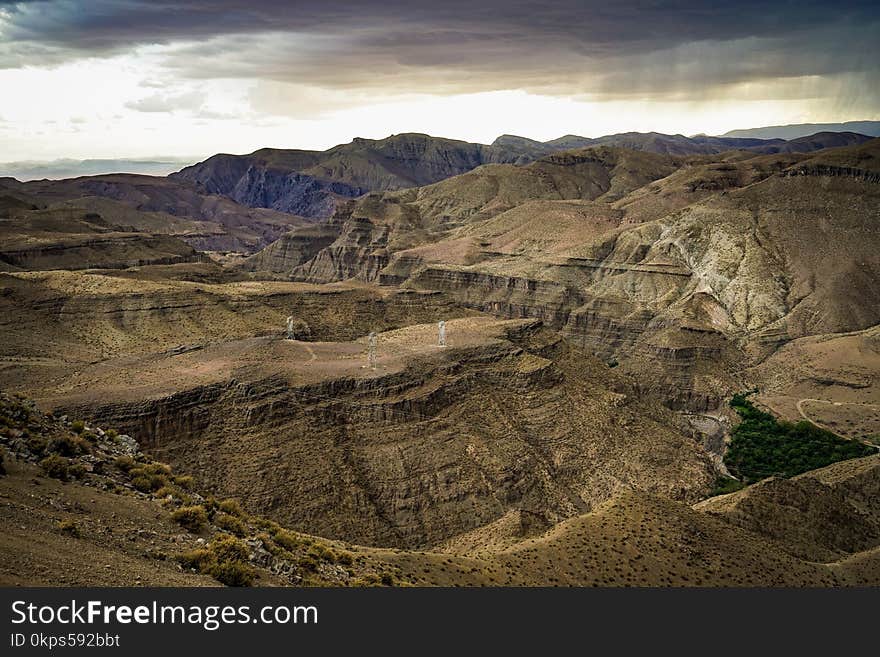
761	446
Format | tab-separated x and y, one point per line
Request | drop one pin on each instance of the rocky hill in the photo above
655	142
601	307
676	264
826	515
793	131
84	505
436	441
159	206
314	183
311	183
70	238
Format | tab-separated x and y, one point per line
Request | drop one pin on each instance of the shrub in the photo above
225	560
68	527
269	525
112	434
231	507
165	491
184	481
370	579
230	523
77	470
270	545
37	444
150	477
148	483
176	494
345	558
193	518
2	457
234	573
228	548
199	560
210	505
77	426
124	463
287	539
308	562
55	466
322	552
154	468
69	445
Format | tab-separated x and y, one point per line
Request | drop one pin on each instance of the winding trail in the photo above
305	345
308	348
803	414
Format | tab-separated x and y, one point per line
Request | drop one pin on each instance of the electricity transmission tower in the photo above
371	351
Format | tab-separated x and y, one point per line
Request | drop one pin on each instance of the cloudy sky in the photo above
135	78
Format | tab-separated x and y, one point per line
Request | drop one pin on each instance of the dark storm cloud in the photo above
604	48
591	27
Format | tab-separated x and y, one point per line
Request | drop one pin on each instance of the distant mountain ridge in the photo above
313	183
796	130
71	168
664	144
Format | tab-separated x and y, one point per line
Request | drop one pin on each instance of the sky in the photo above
147	78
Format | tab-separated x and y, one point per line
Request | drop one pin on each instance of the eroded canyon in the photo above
602	306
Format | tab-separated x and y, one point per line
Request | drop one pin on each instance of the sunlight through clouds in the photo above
160	78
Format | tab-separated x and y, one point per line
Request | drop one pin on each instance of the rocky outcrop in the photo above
101	251
831	170
292	249
359	252
311	183
291	192
507	296
617	330
46	315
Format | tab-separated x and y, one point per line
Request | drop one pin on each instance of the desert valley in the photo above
661	366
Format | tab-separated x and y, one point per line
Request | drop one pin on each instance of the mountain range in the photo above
793	131
527	148
69	168
311	183
661	366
